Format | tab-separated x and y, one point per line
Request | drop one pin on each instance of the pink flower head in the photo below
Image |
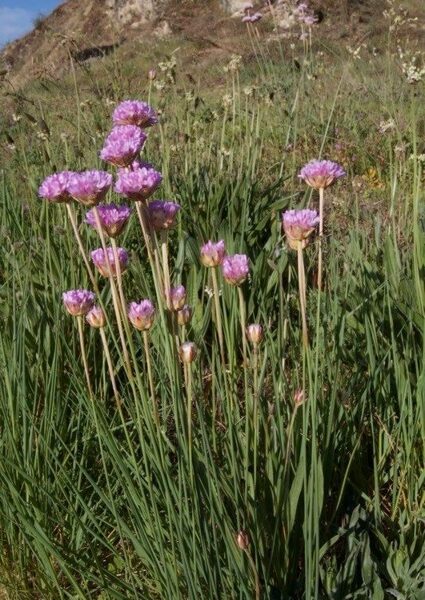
138	184
310	20
235	268
141	314
247	6
162	214
106	264
89	187
78	302
113	218
321	173
299	225
252	18
96	317
55	187
212	253
177	298
134	112
122	145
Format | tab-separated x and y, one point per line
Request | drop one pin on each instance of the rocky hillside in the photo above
82	30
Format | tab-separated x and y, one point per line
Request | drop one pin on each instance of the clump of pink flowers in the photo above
235	268
106	263
113	218
138	184
321	173
162	214
78	302
89	187
141	314
134	112
55	187
123	145
299	225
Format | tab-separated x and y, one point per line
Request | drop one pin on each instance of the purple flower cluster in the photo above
89	187
213	253
123	145
141	314
112	218
299	225
55	187
134	112
321	173
162	214
235	268
305	14
138	184
78	302
252	18
106	263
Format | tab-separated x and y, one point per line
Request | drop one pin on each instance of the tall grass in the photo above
106	504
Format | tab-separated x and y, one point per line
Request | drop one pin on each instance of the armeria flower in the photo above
89	187
321	173
134	166
55	187
101	261
138	184
78	302
235	268
162	214
299	225
188	352
96	317
177	298
113	218
141	314
123	145
213	253
255	333
252	18
134	112
184	315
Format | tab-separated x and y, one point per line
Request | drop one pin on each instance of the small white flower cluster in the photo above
412	65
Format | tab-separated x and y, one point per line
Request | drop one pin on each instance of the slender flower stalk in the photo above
188	352
218	320
150	376
83	354
166	268
242	312
96	318
320	174
73	220
115	299
299	226
212	255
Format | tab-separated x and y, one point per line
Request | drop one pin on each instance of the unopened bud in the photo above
184	315
177	298
255	334
152	74
188	352
242	540
96	317
299	397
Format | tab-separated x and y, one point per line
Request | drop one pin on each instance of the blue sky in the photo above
17	16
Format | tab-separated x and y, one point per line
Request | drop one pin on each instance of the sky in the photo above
17	16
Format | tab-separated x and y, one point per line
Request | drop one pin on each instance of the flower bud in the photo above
152	74
242	540
177	298
255	334
96	317
188	352
298	397
184	315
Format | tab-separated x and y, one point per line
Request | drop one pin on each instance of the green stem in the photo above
302	293
83	354
110	367
320	262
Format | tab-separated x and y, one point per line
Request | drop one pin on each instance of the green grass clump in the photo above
100	503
